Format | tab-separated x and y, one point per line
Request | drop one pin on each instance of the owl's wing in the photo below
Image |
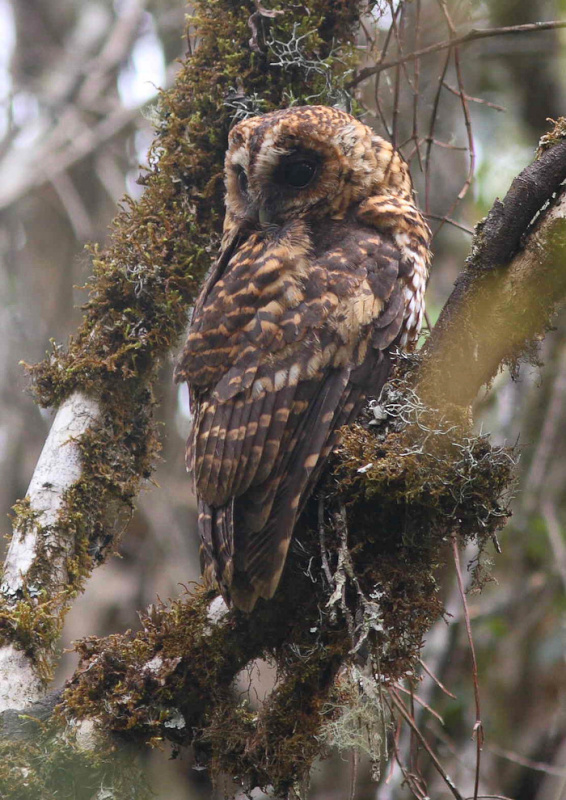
280	358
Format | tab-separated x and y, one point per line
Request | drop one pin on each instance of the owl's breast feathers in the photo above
284	347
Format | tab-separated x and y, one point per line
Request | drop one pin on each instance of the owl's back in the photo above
285	345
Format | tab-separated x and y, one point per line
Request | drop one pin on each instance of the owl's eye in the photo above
242	180
298	174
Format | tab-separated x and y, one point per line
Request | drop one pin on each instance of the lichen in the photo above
557	134
359	720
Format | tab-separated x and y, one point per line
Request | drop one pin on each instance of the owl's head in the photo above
310	161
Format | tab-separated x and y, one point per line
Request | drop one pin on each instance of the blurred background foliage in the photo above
77	83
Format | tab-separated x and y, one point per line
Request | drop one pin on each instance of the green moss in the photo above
359	584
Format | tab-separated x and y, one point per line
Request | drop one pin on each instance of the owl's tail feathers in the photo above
217	561
259	563
216	526
240	586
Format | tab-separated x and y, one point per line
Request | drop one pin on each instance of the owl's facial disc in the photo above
308	162
242	180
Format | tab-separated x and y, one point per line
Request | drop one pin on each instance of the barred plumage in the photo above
321	276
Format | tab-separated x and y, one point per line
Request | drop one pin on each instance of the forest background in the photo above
77	83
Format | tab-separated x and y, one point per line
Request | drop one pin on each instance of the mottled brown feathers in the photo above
314	287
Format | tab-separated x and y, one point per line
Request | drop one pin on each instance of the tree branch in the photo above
466	38
513	283
41	533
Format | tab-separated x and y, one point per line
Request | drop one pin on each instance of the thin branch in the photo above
547	439
472	99
539	766
555	537
466	38
420	702
400	706
478	727
467	120
416	86
438	682
73	205
430	137
450	221
388	39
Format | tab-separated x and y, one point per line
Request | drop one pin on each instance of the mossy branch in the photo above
142	286
360	585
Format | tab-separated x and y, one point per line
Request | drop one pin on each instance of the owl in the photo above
319	281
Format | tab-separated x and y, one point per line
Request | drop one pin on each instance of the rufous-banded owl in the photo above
320	279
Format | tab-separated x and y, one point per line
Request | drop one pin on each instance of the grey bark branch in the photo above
58	468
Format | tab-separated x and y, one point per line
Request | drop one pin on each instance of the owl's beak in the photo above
260	215
264	216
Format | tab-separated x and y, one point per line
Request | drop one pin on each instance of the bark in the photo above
58	469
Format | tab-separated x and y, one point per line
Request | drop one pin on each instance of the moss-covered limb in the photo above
142	285
46	557
513	283
404	480
173	681
83	486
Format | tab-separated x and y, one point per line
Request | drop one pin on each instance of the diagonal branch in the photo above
511	287
466	38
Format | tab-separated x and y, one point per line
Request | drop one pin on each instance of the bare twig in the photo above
466	38
384	50
478	727
555	537
547	439
437	680
430	137
420	702
471	99
450	221
466	112
539	766
402	709
416	92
